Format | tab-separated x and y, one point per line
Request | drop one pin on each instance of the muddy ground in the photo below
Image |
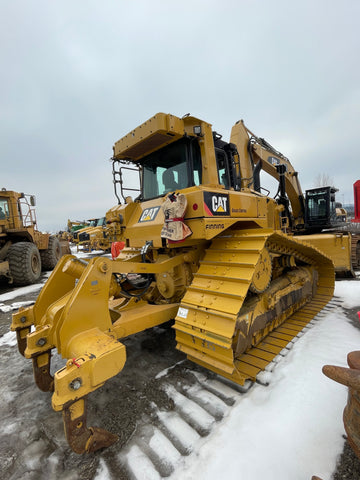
32	443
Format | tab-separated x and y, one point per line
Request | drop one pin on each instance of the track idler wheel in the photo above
262	273
83	439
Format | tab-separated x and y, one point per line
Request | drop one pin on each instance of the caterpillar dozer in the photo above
203	247
24	251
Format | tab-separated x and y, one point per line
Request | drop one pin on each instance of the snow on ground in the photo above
8	339
289	430
349	292
20	291
15	306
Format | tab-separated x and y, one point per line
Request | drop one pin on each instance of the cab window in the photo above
4	208
222	167
171	168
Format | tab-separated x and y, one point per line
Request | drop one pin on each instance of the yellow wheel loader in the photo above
203	246
24	251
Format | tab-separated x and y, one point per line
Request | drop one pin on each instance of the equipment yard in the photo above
218	306
185	301
177	420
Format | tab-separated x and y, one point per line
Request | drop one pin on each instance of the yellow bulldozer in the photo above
203	246
24	251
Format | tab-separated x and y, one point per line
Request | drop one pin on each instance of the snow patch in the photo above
20	291
294	425
190	410
15	306
140	465
349	291
164	448
8	339
102	472
179	430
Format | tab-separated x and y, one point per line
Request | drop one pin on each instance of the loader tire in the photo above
24	263
51	255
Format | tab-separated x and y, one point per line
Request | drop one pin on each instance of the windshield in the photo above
318	204
172	168
4	208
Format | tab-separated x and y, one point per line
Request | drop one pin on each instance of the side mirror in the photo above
32	200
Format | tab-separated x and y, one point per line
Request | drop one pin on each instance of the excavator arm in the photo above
257	154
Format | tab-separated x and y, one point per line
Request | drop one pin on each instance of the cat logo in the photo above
149	214
273	160
216	204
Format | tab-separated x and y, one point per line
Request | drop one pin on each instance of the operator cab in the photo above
320	209
227	163
165	154
174	167
178	166
4	208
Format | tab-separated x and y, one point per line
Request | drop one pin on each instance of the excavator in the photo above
200	245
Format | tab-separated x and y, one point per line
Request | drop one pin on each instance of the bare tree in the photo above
324	180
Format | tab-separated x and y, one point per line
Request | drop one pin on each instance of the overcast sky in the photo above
78	75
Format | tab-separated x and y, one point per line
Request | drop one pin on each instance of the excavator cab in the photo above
320	209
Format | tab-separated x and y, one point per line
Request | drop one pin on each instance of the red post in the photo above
357	202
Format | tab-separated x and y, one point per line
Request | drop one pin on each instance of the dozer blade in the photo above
337	246
239	313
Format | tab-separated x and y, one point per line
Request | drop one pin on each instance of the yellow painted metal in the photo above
262	273
240	137
18	224
63	317
337	246
133	267
97	357
140	316
207	337
159	131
